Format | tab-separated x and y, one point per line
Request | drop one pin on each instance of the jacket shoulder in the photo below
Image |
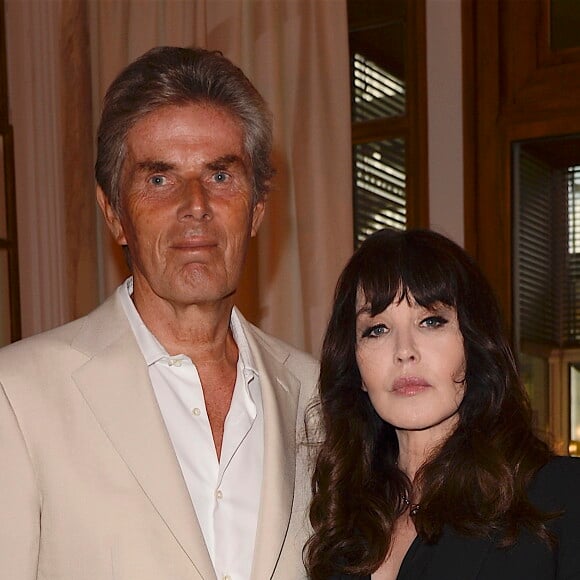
556	484
284	352
557	473
83	336
554	490
49	339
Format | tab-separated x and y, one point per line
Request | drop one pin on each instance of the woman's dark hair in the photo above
476	480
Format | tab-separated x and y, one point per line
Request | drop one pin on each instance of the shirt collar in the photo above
153	350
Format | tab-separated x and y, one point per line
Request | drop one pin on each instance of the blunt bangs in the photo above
392	266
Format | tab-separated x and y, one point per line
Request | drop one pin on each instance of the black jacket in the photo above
556	487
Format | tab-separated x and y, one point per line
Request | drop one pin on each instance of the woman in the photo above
428	466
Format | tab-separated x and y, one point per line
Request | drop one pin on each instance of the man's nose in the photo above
195	202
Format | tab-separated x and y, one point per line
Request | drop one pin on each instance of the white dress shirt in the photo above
225	493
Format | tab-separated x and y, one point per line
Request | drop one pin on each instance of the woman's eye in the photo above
375	331
434	322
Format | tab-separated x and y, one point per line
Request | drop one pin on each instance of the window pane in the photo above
571	314
377	31
539	245
4	299
575	408
377	94
379	197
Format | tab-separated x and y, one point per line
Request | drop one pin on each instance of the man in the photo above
158	438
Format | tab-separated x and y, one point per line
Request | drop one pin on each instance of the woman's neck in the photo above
413	452
415	447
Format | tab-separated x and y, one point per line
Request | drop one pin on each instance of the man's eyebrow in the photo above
150	165
224	162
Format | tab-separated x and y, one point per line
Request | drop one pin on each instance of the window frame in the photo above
410	127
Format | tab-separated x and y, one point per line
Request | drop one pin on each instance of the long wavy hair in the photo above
476	480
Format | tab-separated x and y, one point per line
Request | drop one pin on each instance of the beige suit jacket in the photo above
90	488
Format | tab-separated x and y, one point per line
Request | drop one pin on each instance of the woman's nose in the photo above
406	348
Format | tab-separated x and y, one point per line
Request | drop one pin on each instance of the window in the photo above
521	70
546	261
387	42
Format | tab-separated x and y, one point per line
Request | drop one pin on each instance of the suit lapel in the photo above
280	393
115	384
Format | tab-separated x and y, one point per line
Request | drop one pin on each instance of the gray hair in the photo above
166	76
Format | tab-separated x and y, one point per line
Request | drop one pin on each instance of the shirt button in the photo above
196	412
227	577
219	494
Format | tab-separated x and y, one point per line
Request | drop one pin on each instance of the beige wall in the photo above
445	121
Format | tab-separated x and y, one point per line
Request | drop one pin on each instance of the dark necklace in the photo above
413	507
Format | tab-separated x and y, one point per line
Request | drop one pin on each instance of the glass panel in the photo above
379	198
377	94
575	409
377	48
3	233
4	299
546	247
571	328
565	24
538	203
535	374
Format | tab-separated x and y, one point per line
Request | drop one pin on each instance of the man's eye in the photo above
158	180
220	177
375	331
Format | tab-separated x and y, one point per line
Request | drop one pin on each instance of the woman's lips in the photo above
409	386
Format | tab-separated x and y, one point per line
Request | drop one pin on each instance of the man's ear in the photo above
111	217
258	216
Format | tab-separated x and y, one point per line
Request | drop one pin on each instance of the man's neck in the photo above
201	332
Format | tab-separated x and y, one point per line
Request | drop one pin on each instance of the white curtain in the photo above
295	52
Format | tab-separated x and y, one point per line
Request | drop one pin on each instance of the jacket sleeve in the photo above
19	500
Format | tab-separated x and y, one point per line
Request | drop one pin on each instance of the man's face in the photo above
186	205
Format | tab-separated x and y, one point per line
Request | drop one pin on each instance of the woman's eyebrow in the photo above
366	309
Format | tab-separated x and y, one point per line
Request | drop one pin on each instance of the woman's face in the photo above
412	363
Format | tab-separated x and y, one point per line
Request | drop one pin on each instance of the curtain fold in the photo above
294	51
77	159
32	45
